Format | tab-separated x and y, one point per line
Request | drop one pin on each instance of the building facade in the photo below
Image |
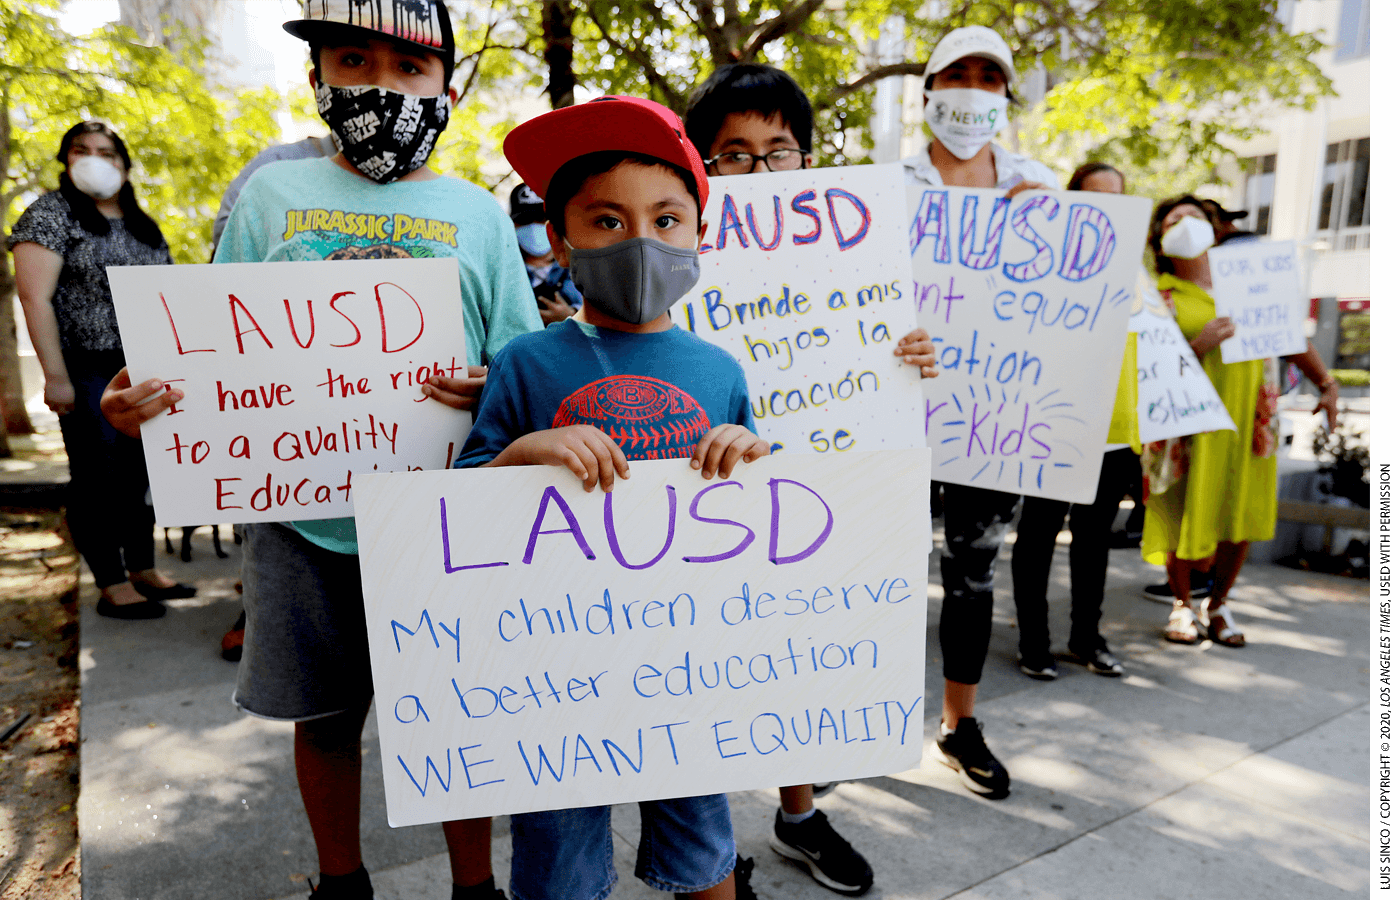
1307	179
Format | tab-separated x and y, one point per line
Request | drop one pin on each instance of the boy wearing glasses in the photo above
748	118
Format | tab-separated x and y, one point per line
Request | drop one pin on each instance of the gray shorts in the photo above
305	650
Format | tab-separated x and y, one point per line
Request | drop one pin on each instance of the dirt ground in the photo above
39	701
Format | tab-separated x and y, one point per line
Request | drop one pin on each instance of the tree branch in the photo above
714	36
642	59
791	19
874	75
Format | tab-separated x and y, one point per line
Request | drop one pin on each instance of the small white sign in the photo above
1175	396
296	375
1027	300
1258	285
538	647
804	281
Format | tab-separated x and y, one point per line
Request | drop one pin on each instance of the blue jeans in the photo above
566	854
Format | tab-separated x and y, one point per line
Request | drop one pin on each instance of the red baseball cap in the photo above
540	146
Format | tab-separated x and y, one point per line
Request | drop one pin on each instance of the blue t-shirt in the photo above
314	209
654	394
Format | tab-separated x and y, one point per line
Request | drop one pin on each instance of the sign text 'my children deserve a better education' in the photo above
804	281
295	375
538	647
1027	300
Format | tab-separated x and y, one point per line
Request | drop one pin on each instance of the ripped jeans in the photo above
975	521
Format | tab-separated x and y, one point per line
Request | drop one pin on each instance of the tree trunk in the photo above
559	51
12	411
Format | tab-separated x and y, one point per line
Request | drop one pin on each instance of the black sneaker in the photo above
821	790
831	861
1124	540
966	753
743	872
1100	661
354	886
1041	668
1201	584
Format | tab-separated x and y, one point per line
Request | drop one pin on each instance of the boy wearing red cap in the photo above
623	191
380	74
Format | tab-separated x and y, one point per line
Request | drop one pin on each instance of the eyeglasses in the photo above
784	160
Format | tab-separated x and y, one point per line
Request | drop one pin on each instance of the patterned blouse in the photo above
87	320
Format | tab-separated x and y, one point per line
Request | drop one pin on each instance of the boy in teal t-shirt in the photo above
383	90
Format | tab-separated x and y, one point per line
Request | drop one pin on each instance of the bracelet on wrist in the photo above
1327	385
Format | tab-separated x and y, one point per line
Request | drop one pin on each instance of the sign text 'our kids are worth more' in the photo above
803	280
1027	300
535	646
1258	285
296	375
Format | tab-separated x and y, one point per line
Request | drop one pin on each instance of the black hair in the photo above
1155	228
747	87
569	179
84	208
1076	181
335	34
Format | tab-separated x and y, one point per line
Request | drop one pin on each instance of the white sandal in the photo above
1180	623
1220	626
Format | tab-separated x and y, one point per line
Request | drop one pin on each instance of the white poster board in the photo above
1028	301
538	647
296	375
804	282
1258	285
1175	396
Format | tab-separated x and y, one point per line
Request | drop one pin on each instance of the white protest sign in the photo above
1175	396
1027	301
538	647
295	374
802	279
1257	284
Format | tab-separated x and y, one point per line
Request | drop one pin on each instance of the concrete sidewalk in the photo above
1206	772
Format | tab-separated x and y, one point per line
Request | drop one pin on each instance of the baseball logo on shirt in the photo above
647	418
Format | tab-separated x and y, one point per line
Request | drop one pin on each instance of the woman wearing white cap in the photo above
968	79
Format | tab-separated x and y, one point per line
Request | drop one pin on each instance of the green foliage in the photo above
187	142
1352	377
1159	89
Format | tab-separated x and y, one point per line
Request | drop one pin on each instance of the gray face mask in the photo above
636	280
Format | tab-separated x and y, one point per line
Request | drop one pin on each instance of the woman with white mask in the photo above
1223	492
62	245
966	94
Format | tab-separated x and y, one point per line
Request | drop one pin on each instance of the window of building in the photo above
1354	30
1259	192
1345	202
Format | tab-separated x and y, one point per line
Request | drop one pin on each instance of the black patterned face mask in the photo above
384	134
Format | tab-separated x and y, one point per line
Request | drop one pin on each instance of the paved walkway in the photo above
1206	772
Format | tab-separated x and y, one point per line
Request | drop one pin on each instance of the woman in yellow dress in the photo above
1228	494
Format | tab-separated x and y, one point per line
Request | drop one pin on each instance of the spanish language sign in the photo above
538	647
296	375
804	282
1175	396
1027	300
1258	285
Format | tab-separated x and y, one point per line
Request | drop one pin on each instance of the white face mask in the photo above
964	119
1188	238
96	177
